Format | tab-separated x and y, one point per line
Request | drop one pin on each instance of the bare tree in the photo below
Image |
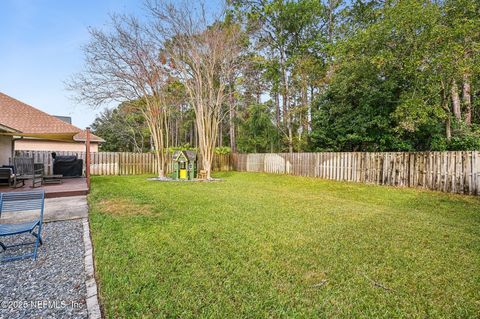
125	64
204	54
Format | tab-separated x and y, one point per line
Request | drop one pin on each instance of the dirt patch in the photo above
315	278
124	207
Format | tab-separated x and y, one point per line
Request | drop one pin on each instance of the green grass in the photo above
259	245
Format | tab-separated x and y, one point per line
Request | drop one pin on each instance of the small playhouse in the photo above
185	165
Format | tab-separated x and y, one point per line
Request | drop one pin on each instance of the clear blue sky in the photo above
40	43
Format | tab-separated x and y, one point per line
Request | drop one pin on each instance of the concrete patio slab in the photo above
56	209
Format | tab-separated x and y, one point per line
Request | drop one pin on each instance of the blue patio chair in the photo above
17	203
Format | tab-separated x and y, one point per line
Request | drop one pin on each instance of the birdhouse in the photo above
185	164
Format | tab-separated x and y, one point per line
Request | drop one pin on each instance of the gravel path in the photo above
53	286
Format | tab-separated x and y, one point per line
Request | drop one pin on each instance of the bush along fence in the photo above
119	163
454	172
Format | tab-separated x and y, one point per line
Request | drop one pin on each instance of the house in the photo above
23	127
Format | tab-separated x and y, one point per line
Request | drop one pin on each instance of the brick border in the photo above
93	306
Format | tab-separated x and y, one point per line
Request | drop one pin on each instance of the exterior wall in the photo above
5	149
44	145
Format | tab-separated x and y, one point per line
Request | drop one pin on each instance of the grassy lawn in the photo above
259	245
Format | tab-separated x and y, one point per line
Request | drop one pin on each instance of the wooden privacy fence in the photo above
119	163
454	172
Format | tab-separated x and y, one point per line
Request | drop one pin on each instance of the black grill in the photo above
70	166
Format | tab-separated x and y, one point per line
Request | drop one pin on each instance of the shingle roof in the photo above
189	155
26	119
82	136
192	155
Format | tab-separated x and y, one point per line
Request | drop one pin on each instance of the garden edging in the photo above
93	306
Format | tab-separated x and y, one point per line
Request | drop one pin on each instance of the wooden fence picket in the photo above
455	172
123	163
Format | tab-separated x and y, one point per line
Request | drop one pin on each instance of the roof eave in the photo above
96	140
8	129
49	136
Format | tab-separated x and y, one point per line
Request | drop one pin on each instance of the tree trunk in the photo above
195	135
331	8
207	160
158	145
290	134
207	165
467	98
284	107
306	106
220	134
160	160
446	108
231	123
448	128
177	132
207	129
287	119
277	108
457	112
285	89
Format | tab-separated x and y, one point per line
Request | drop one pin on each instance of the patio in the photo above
69	187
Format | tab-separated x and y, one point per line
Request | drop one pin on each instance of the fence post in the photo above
87	158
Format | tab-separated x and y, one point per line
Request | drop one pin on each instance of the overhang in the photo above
6	129
64	137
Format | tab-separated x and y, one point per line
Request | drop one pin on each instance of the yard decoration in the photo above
185	165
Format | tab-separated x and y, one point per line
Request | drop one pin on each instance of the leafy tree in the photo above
257	132
289	35
123	129
396	84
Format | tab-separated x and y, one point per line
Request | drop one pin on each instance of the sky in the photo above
40	48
